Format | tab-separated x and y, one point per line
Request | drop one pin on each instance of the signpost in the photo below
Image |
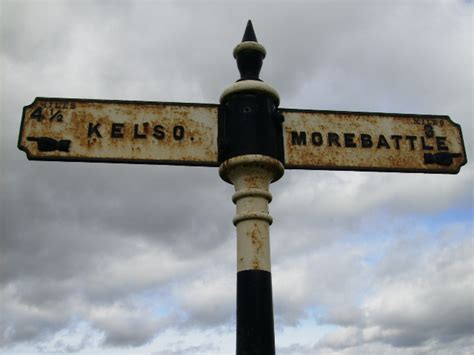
252	141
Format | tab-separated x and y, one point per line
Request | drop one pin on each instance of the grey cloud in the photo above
431	301
63	217
22	323
180	349
208	302
328	207
127	326
316	280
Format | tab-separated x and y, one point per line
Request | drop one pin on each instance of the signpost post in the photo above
252	141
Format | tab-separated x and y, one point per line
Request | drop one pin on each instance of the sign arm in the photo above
372	141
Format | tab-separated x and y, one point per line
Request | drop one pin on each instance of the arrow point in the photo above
249	34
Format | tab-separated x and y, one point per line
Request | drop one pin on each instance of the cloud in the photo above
208	302
126	326
21	322
314	280
427	300
182	349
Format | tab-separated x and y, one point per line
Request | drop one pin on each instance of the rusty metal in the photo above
336	140
120	131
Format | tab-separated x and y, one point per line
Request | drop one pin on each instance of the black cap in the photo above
249	55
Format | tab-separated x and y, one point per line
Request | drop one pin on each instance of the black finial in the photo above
249	54
249	34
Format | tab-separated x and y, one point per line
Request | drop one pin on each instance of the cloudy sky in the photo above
98	258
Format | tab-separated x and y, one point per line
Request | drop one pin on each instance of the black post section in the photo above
249	121
255	333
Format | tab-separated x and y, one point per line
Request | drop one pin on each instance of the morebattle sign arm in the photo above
336	140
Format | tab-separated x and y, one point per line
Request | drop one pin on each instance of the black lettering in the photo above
424	145
429	133
366	140
397	139
349	140
412	140
93	129
57	116
317	139
178	132
333	138
137	134
298	138
158	132
441	143
37	114
383	142
117	130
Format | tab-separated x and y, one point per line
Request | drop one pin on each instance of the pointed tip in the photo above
249	34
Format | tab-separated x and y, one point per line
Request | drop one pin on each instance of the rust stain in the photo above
255	264
256	240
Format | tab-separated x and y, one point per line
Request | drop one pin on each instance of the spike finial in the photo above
249	54
249	34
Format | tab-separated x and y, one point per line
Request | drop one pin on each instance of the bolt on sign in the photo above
187	134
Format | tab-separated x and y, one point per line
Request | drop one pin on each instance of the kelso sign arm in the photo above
120	131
